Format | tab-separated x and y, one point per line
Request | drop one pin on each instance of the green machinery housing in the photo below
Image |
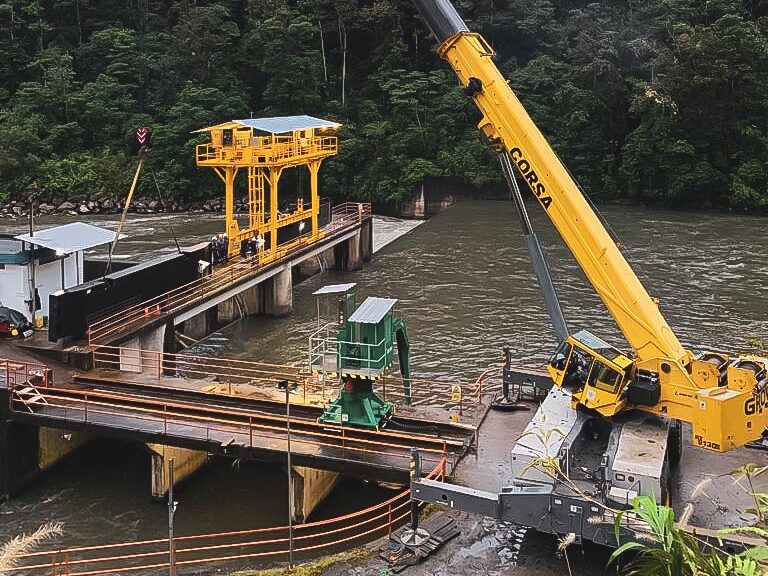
358	349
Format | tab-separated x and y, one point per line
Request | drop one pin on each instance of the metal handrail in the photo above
319	536
90	403
233	370
109	328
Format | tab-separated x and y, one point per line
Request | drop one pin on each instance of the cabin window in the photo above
605	378
579	368
560	357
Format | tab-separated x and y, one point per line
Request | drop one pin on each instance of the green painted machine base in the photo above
363	409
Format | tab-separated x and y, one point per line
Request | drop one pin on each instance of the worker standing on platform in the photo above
214	249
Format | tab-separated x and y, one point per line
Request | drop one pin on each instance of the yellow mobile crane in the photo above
724	399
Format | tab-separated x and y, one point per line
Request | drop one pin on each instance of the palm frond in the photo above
14	549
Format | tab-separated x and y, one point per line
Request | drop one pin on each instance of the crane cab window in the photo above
605	378
560	357
578	368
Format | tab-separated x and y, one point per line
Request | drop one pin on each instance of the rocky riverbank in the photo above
74	207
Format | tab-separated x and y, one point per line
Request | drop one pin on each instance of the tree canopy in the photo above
656	101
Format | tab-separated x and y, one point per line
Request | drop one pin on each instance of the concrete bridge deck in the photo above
168	412
350	228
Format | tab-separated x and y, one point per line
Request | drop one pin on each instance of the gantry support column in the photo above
274	178
314	168
228	175
255	197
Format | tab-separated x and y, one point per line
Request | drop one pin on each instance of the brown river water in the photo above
465	286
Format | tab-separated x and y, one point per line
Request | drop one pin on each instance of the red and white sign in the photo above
142	134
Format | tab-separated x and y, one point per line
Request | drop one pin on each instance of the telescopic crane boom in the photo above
725	400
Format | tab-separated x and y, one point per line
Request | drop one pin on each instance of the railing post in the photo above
85	398
250	430
173	567
443	461
389	520
415	469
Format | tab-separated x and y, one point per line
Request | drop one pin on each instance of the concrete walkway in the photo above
387	229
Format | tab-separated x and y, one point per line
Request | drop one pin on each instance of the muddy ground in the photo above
493	549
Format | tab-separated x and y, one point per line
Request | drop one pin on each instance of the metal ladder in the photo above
30	396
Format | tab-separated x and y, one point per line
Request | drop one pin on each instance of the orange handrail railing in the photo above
153	556
128	319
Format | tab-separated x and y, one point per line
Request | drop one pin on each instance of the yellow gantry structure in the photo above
264	147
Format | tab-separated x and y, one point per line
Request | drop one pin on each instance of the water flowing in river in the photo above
465	286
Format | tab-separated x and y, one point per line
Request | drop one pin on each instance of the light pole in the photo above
171	511
290	475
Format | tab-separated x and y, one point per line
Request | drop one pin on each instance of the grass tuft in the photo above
315	567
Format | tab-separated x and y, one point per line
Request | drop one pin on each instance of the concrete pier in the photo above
185	463
251	300
278	294
142	353
349	255
353	252
27	450
54	445
366	240
232	309
310	487
200	325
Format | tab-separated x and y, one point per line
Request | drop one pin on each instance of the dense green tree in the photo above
658	101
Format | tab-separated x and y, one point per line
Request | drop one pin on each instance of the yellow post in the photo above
274	178
314	168
230	173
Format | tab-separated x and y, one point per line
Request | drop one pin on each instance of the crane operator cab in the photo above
594	372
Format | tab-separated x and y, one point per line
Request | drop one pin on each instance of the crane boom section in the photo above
509	127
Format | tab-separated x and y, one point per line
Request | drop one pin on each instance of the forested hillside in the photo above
657	101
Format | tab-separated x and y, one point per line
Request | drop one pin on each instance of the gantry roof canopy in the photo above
276	125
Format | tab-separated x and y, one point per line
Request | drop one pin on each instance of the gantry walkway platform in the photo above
227	280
